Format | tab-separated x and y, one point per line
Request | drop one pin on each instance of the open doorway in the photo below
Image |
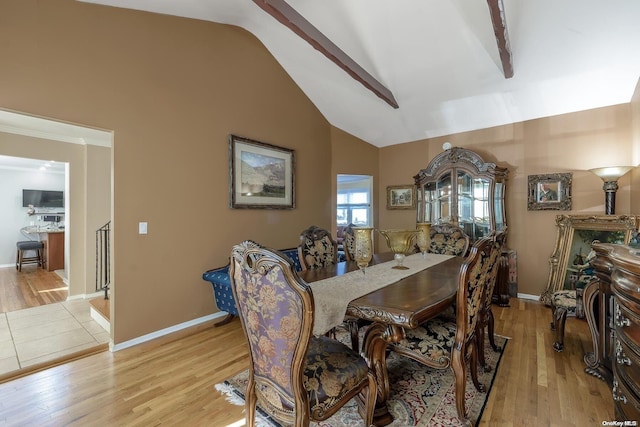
354	204
34	193
67	327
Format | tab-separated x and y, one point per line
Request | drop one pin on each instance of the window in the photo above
354	200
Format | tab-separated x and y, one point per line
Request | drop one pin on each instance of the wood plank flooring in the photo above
31	287
170	381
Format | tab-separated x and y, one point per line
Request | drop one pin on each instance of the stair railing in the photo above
103	259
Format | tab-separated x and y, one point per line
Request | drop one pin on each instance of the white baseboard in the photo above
86	296
528	296
166	331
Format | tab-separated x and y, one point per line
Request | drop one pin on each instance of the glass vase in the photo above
423	239
363	246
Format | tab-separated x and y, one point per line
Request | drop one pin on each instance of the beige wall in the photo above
353	156
635	154
567	143
173	89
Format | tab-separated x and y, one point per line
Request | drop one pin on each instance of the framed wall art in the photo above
401	197
570	268
261	176
551	191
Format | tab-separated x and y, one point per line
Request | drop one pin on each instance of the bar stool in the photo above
29	245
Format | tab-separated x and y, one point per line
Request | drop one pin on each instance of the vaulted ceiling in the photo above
394	71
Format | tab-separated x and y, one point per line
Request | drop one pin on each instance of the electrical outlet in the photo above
142	228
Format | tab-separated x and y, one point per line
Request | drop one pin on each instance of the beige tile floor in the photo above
39	334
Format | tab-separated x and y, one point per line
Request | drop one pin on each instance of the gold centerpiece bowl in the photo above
400	243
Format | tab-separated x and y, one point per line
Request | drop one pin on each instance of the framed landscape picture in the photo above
261	176
401	197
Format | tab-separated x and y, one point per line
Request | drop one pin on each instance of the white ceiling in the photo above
440	60
31	165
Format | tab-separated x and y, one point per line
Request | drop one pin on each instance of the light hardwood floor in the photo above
31	287
170	381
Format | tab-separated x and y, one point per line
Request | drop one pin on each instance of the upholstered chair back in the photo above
498	243
349	243
448	239
276	313
317	249
294	376
475	272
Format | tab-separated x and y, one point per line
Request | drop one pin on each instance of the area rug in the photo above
419	396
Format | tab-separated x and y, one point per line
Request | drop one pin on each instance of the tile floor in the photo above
38	334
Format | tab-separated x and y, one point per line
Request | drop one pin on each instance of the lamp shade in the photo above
611	173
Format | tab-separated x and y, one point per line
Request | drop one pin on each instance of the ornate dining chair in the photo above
294	376
317	248
349	243
441	342
486	320
448	239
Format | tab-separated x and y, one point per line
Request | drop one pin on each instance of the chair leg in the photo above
18	261
490	331
459	371
474	367
251	401
228	318
559	319
353	330
480	344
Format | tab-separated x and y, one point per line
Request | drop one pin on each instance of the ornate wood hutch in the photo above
459	187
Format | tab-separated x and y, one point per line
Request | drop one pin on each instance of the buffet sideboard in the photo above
617	333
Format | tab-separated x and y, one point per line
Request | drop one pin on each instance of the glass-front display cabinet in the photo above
460	188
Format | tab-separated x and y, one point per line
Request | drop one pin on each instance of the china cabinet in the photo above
459	187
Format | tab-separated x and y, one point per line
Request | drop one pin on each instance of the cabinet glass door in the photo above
444	194
498	208
474	214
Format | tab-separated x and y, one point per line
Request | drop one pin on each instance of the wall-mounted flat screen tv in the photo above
43	198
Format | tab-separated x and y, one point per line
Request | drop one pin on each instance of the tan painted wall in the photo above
567	143
171	90
353	156
635	151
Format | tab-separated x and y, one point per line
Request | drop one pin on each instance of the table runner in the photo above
332	295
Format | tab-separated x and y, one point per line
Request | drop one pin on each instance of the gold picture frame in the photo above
261	176
550	192
570	258
401	197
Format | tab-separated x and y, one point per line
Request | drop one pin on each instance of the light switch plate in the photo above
142	228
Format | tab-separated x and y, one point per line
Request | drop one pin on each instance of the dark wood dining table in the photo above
403	304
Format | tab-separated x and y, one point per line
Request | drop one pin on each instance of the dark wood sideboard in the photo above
612	306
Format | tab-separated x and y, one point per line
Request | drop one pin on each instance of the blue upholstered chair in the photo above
294	376
221	283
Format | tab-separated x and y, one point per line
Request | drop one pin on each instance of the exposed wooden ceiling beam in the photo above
496	9
289	17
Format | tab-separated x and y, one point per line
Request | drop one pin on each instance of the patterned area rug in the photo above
419	396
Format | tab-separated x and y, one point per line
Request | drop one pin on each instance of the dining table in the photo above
427	288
